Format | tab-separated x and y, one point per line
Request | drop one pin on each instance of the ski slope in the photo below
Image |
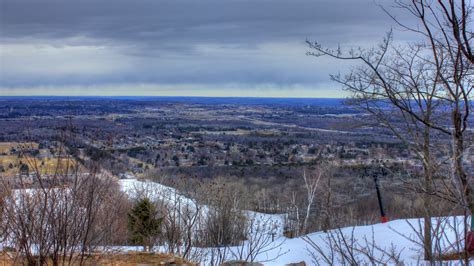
398	235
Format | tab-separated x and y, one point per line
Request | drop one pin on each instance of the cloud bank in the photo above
179	47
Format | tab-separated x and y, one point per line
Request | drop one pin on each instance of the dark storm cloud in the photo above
177	21
179	41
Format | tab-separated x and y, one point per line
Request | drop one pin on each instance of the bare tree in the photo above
418	84
54	217
59	222
5	190
456	15
311	182
292	219
259	239
339	248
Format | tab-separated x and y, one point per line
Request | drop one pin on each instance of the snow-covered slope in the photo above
399	235
153	190
135	188
297	249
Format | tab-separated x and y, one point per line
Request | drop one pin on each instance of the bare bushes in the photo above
60	218
111	225
4	192
260	236
339	248
224	220
213	230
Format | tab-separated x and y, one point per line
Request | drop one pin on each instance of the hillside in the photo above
396	236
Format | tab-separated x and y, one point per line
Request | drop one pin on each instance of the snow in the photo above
156	191
393	233
398	235
401	235
384	235
153	190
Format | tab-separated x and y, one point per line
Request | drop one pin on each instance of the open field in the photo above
13	156
46	166
6	147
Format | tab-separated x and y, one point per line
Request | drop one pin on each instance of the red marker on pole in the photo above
470	237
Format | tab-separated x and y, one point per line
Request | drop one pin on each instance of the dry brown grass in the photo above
45	165
121	259
135	258
453	256
6	146
5	259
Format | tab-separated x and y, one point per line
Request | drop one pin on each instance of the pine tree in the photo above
24	169
144	223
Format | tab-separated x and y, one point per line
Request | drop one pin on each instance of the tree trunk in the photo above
306	218
427	239
460	174
427	165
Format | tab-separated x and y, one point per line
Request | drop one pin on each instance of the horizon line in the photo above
167	96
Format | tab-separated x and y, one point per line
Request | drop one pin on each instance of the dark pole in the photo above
383	218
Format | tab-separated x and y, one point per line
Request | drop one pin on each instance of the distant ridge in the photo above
193	99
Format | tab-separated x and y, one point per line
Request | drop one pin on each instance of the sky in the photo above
237	48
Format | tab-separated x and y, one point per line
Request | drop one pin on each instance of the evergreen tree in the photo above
144	223
24	169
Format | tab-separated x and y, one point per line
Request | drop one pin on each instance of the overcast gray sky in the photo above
179	47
